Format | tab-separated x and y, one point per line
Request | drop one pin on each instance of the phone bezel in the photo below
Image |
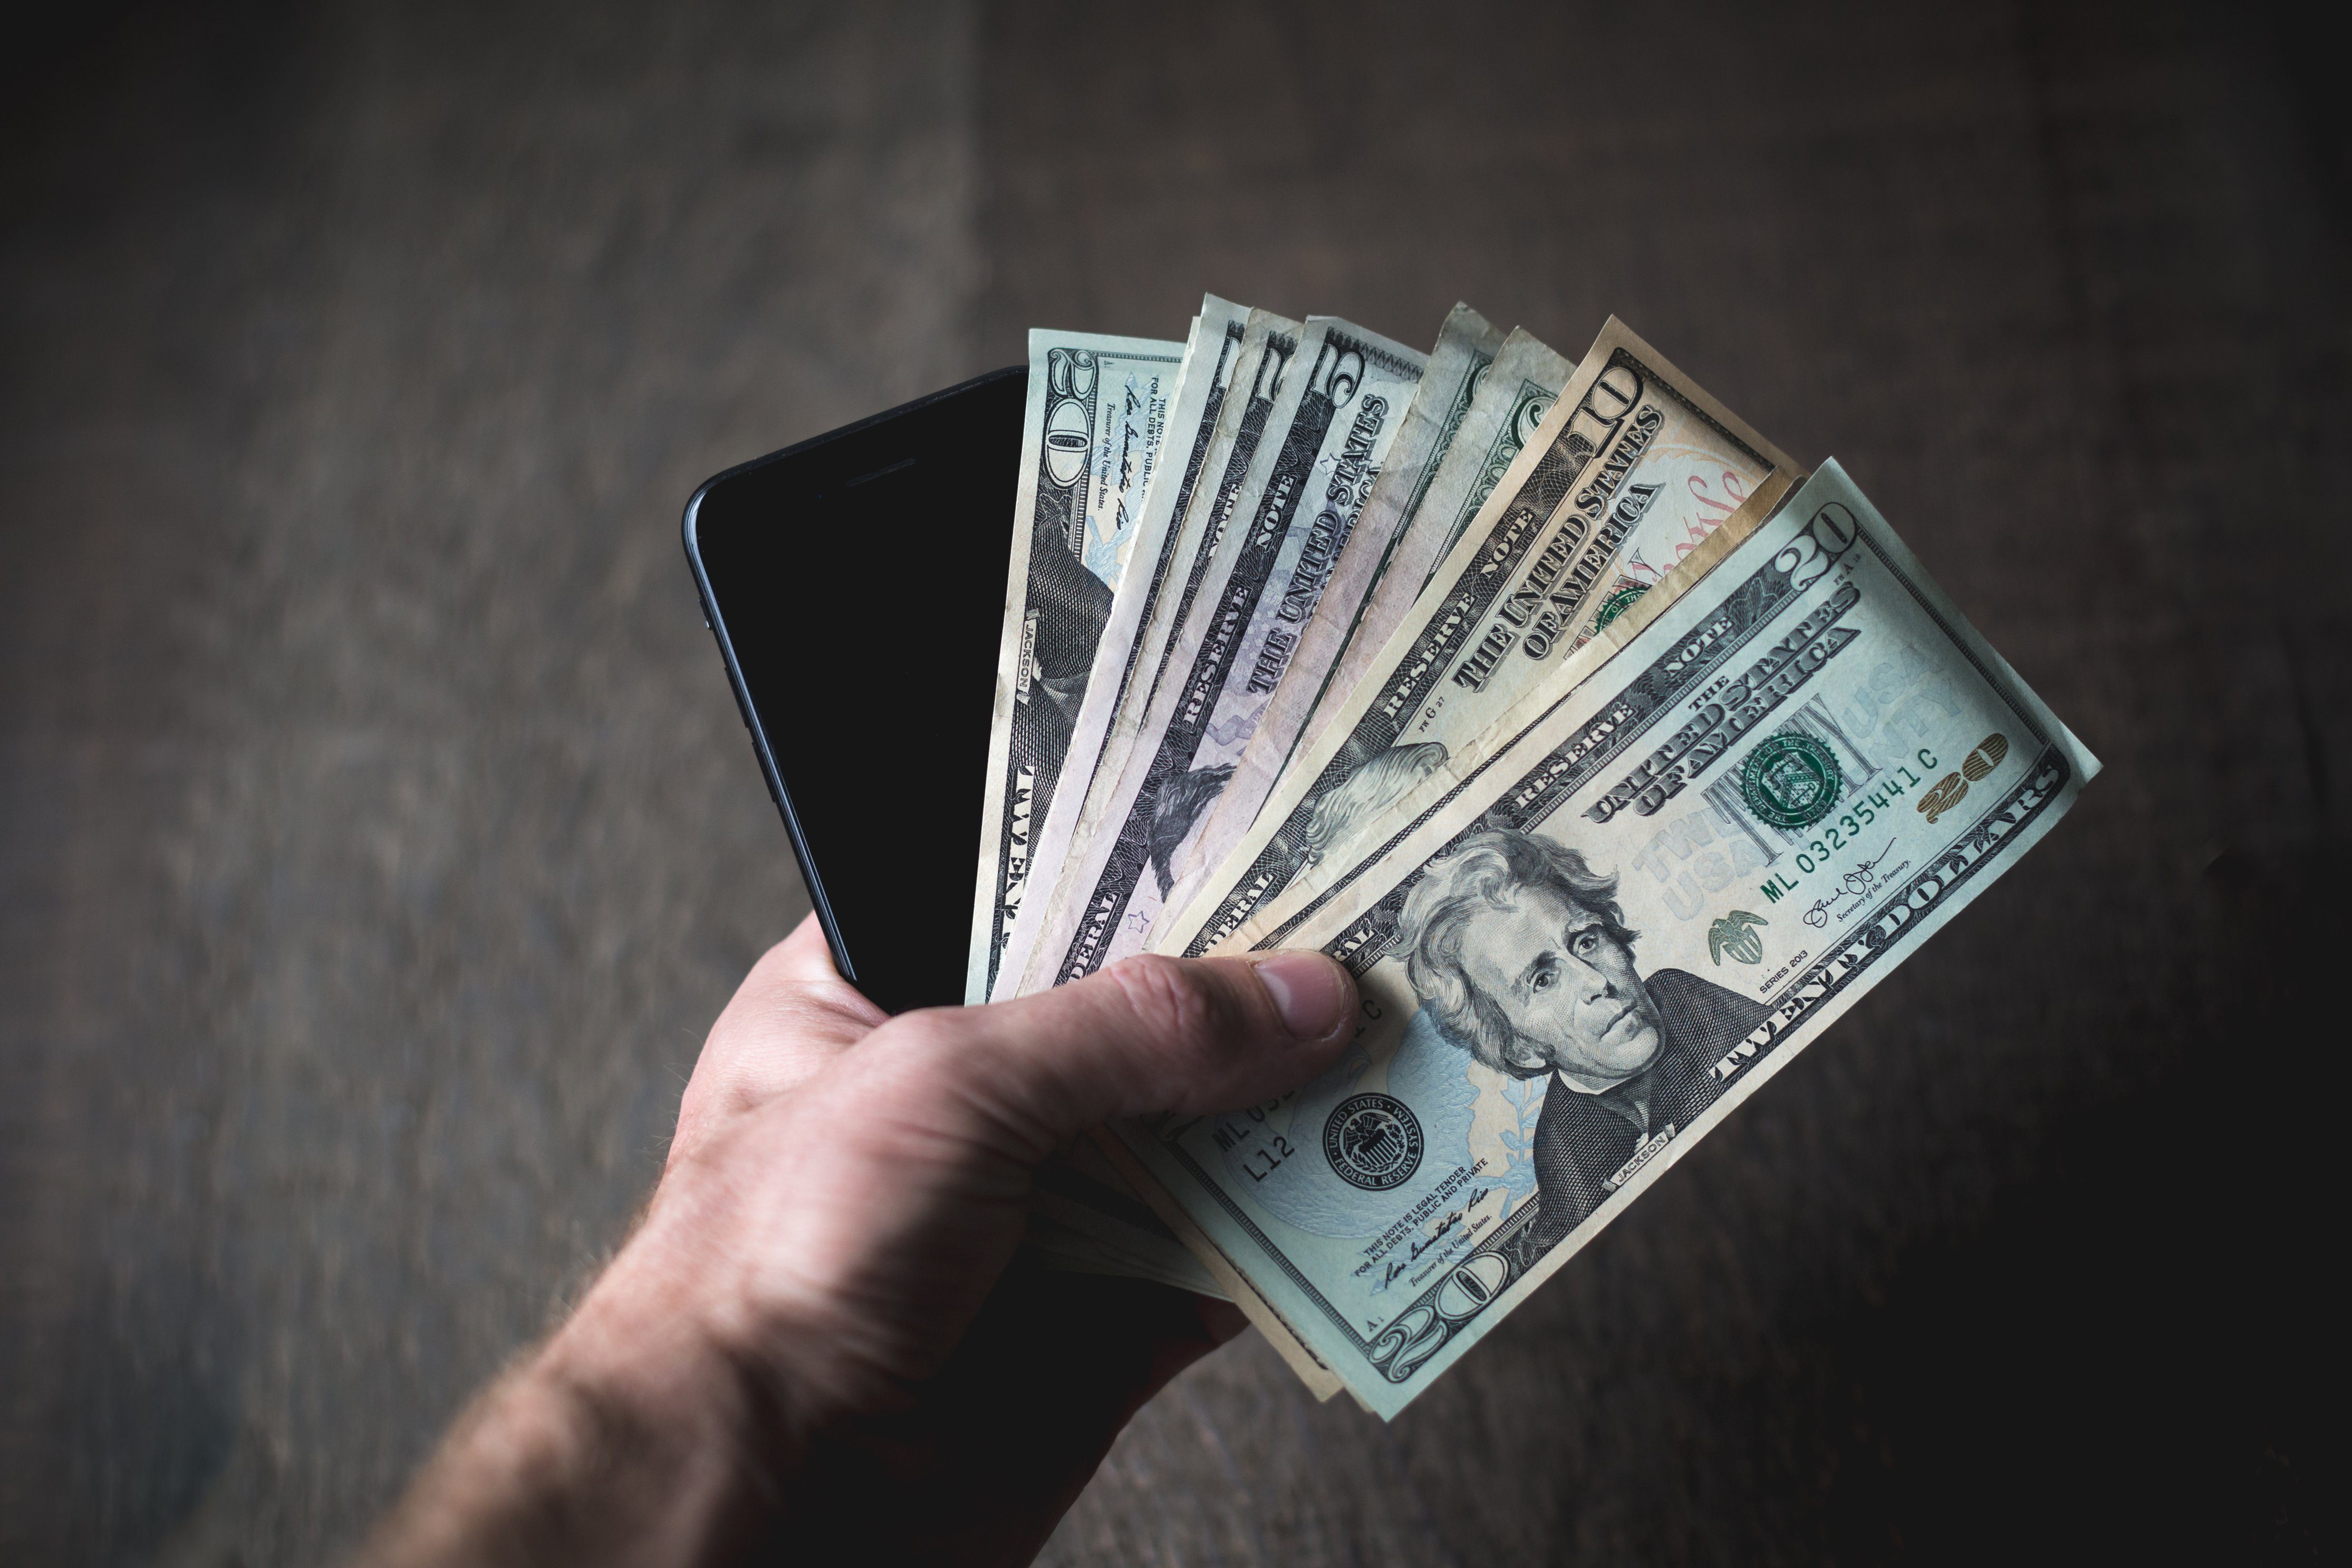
778	791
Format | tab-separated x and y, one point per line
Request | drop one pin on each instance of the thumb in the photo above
889	1192
1147	1034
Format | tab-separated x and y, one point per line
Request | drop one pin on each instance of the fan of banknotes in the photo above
1615	755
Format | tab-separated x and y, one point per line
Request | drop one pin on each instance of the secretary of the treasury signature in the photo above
1861	884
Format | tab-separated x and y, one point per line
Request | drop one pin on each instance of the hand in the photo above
819	1340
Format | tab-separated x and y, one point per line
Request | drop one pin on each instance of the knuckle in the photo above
1170	999
923	1068
925	1032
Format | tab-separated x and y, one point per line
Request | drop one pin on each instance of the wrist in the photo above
626	1438
670	1424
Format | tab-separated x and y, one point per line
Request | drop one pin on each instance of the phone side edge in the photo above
689	530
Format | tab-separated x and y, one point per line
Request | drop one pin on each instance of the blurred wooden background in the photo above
377	837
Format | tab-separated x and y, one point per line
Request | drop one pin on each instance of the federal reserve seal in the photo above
1373	1142
1791	781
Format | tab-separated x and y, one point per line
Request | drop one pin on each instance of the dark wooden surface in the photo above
377	838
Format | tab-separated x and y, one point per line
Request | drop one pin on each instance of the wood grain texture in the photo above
378	838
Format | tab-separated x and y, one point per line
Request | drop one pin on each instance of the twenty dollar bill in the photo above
1636	914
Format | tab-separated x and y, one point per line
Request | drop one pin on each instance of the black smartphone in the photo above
856	584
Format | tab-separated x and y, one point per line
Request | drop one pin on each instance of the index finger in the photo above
792	1014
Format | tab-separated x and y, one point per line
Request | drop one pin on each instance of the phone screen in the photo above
857	583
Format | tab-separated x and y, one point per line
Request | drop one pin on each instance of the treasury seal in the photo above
1373	1142
1791	781
1617	603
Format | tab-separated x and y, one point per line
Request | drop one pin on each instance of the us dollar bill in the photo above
1636	913
1513	400
1089	438
1466	345
1211	353
1085	1217
1082	1216
1633	451
1328	433
1331	878
1268	344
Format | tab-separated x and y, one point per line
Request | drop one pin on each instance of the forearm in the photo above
624	1439
813	1342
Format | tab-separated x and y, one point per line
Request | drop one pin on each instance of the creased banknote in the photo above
1509	403
1089	439
1466	345
1266	348
1317	884
1331	427
1212	354
1629	919
1514	399
1632	454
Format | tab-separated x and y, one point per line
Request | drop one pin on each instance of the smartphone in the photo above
856	584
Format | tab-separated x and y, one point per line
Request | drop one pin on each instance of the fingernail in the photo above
1309	992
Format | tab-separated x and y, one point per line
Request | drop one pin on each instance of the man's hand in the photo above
815	1340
